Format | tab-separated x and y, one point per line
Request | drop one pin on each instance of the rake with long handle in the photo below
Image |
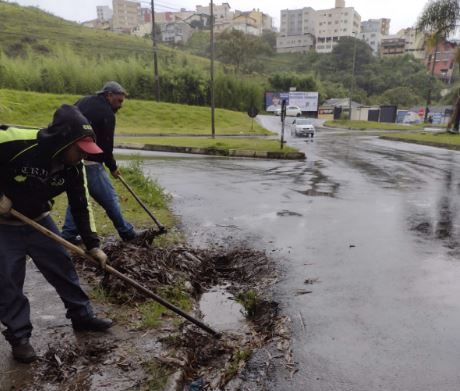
115	272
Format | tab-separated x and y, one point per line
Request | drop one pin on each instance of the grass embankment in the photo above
147	189
31	29
217	144
433	139
370	125
136	116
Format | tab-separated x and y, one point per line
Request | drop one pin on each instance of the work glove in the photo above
5	205
99	256
116	173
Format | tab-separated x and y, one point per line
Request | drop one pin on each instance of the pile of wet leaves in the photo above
197	354
62	360
156	267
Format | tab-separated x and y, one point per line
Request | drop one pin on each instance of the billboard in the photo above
273	100
307	101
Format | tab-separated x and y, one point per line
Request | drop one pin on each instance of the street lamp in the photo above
352	75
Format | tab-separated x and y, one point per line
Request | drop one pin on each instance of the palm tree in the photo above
454	121
438	19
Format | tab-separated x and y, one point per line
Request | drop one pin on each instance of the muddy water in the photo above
222	312
375	223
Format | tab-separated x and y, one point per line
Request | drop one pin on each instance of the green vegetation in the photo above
136	116
158	375
222	144
250	301
44	53
152	312
238	358
41	52
364	125
29	30
432	138
438	19
99	294
149	191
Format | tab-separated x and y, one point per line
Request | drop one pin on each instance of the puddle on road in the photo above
221	311
321	186
288	213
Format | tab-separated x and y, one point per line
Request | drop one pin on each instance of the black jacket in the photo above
100	115
27	176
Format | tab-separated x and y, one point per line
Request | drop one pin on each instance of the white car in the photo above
302	128
291	111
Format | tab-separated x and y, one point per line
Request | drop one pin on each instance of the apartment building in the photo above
372	31
221	12
126	15
246	23
392	45
297	31
260	20
415	42
104	13
302	28
334	23
445	60
146	15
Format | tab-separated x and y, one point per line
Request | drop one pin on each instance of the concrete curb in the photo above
214	151
198	135
371	129
427	143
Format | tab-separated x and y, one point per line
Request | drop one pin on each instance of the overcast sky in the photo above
403	13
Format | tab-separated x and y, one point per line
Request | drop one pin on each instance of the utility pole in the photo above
155	58
352	77
213	104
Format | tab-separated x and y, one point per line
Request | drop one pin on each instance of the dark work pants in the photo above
54	263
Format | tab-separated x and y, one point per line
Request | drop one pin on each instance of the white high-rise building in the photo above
126	14
104	13
297	31
334	23
305	29
372	31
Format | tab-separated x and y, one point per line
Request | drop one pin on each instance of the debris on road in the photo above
181	346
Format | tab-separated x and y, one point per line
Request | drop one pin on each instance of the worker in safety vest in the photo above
36	166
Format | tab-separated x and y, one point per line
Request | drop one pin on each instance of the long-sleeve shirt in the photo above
30	178
100	115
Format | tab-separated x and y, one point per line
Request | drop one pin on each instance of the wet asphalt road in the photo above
373	223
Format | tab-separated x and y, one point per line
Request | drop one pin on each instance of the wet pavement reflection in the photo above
375	222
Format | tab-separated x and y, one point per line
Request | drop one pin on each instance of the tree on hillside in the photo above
438	19
237	48
284	81
269	37
342	54
400	96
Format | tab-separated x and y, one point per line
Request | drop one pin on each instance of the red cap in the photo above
87	144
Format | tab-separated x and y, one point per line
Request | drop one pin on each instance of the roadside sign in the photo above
307	101
252	112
